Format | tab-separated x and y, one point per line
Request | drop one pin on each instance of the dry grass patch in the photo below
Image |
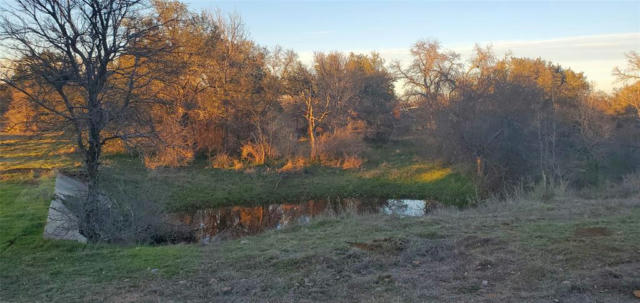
351	162
592	232
28	157
224	161
385	246
293	165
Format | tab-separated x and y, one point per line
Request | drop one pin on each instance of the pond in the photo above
234	222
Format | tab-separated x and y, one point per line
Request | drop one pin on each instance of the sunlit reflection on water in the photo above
405	207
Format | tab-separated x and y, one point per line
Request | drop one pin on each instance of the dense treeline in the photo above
188	85
232	99
518	119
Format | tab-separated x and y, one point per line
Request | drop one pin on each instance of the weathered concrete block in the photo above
62	224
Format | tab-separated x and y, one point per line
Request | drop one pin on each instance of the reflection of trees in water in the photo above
396	207
372	206
240	221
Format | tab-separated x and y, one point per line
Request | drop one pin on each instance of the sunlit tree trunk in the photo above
311	125
479	166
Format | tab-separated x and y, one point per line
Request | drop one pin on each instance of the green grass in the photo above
28	259
401	175
523	248
530	247
392	171
60	266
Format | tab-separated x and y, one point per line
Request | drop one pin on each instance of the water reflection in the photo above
233	222
405	207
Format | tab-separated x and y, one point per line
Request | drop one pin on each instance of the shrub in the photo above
222	160
351	162
342	143
254	153
628	187
128	217
257	153
293	165
169	157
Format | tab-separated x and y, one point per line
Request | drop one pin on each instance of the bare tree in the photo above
301	85
331	90
82	61
281	61
629	94
632	71
431	75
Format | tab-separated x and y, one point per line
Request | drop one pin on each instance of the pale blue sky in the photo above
589	36
330	25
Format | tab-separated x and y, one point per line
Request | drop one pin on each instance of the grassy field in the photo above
392	171
23	157
199	186
520	250
54	267
517	251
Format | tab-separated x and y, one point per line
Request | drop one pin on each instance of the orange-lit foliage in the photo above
351	162
344	142
257	153
338	91
23	116
223	161
169	157
293	165
20	115
217	97
627	99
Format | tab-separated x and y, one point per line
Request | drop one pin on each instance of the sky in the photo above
586	36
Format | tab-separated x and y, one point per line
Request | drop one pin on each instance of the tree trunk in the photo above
311	125
92	204
312	139
479	167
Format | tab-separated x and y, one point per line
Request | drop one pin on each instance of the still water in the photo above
234	222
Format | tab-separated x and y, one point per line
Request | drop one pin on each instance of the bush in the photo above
224	161
127	217
343	143
257	153
628	187
351	162
169	157
293	165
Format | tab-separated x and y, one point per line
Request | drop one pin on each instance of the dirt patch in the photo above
484	265
386	246
592	232
129	297
474	242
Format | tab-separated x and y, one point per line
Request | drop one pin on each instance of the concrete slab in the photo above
62	224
